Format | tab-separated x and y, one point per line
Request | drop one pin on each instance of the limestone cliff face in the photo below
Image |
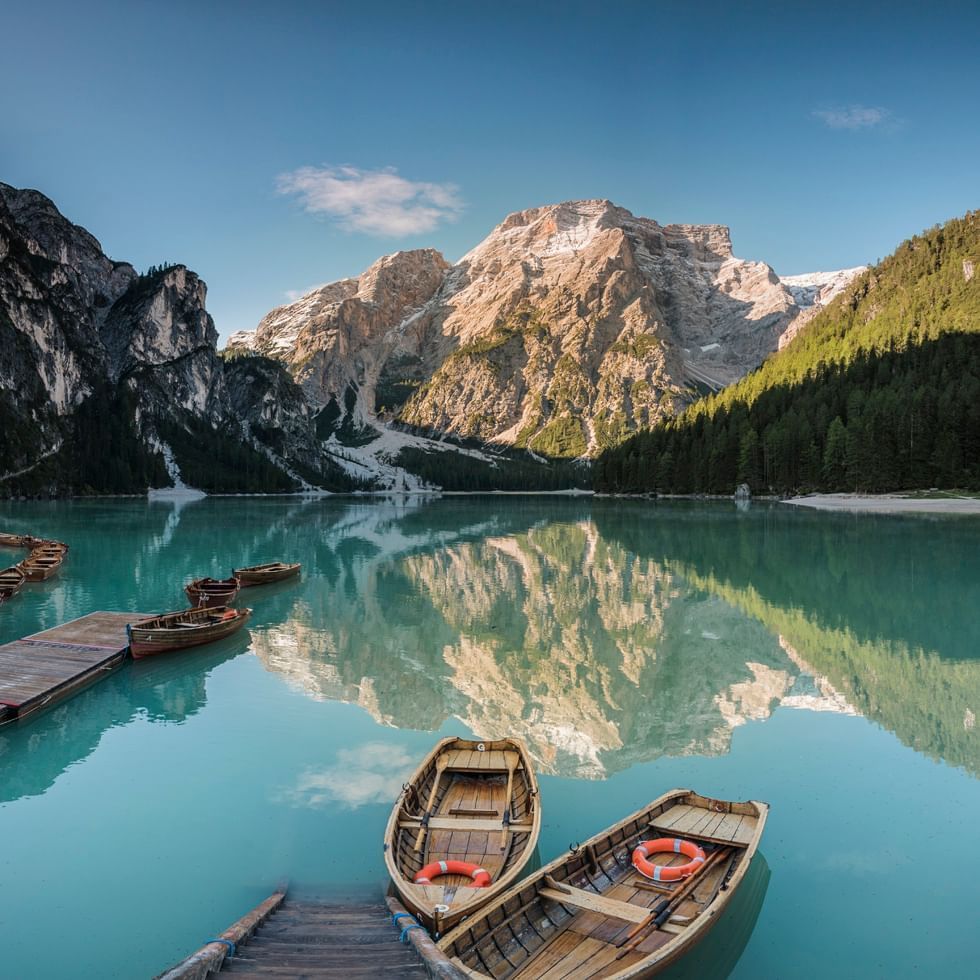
161	341
337	339
96	361
565	329
56	287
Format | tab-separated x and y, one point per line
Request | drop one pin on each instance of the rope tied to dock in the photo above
227	942
413	924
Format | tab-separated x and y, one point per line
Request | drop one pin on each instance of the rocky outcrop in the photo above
101	369
568	327
337	339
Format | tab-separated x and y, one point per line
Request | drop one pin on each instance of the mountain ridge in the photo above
568	326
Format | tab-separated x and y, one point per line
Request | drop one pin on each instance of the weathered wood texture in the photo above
47	667
292	939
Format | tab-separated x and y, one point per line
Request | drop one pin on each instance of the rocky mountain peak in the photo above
567	327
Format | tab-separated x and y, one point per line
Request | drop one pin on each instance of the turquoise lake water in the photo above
826	663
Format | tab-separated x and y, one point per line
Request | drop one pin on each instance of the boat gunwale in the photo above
658	959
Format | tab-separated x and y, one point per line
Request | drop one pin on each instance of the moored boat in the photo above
212	591
463	828
626	903
273	571
8	540
181	630
48	547
39	566
11	581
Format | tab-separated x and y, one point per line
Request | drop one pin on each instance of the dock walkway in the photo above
283	938
47	667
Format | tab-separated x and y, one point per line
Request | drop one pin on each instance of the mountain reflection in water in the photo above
605	641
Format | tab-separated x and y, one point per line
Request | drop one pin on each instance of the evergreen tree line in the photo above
879	392
887	421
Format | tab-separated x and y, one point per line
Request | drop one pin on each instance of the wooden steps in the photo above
331	942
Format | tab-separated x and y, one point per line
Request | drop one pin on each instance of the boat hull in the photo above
211	593
468	801
11	581
40	571
152	637
265	574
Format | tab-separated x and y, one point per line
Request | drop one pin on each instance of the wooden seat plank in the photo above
485	824
592	902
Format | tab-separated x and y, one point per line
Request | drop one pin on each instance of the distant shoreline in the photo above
888	503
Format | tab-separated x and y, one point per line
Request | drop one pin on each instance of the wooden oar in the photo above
664	909
441	764
512	760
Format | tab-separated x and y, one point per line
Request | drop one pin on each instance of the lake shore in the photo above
887	503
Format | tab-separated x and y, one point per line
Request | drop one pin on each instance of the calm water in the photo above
829	664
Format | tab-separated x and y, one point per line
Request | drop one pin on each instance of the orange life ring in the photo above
667	845
481	877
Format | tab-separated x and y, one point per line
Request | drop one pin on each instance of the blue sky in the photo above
275	146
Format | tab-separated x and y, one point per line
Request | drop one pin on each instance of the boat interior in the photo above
471	818
590	915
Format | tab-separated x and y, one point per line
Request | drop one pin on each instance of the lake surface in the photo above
827	663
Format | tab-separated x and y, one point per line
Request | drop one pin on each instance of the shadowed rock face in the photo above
74	323
566	328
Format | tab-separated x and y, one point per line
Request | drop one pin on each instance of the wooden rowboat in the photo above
273	571
181	630
39	566
212	591
8	540
11	581
470	802
590	913
49	547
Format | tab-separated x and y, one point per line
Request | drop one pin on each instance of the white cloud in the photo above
378	202
294	294
371	773
853	116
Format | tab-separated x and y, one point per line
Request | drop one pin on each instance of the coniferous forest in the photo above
880	392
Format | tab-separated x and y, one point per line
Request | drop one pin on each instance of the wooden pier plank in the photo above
48	666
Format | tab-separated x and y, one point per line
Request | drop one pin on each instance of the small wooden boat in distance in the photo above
273	571
463	828
212	591
590	913
8	540
11	581
181	630
40	566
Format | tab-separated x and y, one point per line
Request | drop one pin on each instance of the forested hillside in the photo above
881	392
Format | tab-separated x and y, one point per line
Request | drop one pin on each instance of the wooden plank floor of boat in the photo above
46	667
588	943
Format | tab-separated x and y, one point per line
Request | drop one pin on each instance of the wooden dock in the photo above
340	942
48	667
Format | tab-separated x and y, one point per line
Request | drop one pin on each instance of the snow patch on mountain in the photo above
813	288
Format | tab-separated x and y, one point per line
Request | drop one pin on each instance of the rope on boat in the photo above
227	942
413	924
